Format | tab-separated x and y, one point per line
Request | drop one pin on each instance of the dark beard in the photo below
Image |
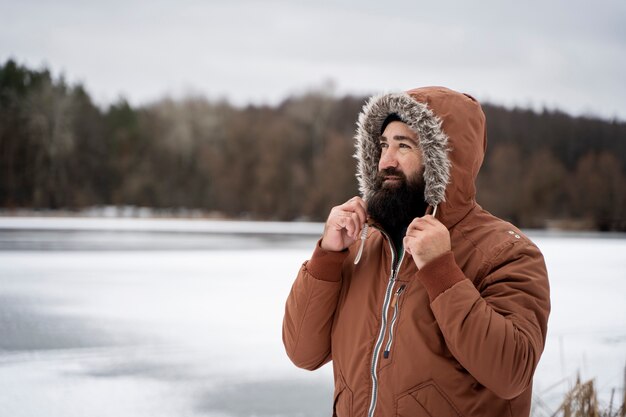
395	206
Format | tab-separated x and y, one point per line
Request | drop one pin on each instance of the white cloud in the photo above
562	54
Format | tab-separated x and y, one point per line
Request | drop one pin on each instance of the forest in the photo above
291	161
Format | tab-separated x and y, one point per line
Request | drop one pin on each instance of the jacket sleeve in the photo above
310	309
496	332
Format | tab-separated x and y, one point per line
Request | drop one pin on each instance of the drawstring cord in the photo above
363	237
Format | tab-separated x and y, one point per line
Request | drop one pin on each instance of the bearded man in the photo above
426	304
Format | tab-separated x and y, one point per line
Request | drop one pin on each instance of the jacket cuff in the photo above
440	274
326	265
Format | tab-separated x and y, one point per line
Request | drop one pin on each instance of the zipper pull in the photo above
394	300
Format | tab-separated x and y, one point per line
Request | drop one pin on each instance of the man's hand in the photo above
426	239
344	224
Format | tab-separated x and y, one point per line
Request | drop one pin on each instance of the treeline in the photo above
58	150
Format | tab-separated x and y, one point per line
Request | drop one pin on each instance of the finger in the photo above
356	205
348	206
359	220
353	225
356	226
429	219
335	219
353	200
362	209
362	215
349	223
413	233
361	203
418	224
406	243
340	219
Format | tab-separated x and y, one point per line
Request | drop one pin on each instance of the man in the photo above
439	314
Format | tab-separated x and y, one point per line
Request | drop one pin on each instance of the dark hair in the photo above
393	117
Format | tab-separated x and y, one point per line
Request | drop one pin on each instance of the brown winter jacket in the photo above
460	337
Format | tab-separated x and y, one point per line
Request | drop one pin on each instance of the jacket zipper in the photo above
394	305
383	326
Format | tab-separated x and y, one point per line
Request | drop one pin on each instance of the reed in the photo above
582	401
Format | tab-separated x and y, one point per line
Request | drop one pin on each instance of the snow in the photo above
587	326
159	225
198	332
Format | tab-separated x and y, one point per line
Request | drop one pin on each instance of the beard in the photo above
394	205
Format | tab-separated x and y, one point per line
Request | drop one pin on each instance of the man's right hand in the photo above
344	224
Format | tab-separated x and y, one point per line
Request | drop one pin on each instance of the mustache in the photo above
391	171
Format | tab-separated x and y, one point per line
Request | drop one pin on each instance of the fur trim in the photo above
432	140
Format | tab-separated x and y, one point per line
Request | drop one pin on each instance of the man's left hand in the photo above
426	239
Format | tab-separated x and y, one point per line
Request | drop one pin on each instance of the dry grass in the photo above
582	401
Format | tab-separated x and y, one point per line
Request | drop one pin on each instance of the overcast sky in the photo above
565	54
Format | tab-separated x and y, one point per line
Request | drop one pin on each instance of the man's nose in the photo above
388	159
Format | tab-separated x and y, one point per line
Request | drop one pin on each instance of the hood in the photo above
452	138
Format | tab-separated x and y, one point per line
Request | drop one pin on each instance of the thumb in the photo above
407	248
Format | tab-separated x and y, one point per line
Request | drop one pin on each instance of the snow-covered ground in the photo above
157	225
197	332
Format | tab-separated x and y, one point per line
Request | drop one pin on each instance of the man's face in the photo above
400	155
399	188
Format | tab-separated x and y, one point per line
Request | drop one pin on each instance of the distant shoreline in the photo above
88	222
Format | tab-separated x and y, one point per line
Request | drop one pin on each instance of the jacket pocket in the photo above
425	400
342	405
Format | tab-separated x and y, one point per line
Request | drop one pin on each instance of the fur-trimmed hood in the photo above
452	137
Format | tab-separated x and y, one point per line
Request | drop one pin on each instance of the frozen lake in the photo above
183	318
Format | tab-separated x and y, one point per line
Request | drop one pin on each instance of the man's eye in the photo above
405	146
383	145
